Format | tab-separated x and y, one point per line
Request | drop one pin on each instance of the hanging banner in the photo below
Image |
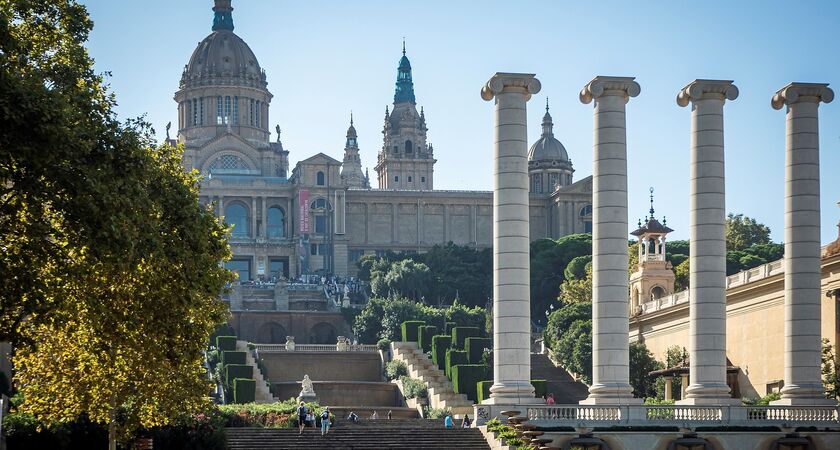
303	212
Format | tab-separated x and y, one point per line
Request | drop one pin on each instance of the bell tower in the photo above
654	277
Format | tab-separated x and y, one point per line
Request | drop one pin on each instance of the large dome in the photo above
223	58
547	147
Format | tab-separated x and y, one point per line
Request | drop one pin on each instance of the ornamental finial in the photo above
651	202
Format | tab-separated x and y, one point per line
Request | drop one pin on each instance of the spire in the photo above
222	19
547	124
651	202
351	134
405	87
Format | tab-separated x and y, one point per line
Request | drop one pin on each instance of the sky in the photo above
326	58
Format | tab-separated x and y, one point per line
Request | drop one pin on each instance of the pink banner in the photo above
303	212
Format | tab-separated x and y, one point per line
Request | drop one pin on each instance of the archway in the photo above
271	333
322	333
657	292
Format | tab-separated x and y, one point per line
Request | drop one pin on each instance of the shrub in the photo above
229	357
465	378
474	346
453	358
763	401
275	415
234	371
226	343
425	334
440	344
459	334
244	390
414	388
436	413
448	326
540	388
409	330
383	344
395	369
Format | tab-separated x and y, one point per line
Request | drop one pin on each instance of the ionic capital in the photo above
501	81
600	86
707	89
802	92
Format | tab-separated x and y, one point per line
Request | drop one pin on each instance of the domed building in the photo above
321	214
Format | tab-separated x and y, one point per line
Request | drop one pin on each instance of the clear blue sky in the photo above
325	58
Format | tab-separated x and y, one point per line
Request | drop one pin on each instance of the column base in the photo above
709	401
804	401
513	401
611	394
512	393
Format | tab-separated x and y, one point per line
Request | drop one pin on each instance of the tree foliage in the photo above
381	317
110	267
406	278
743	232
642	363
577	290
830	370
549	259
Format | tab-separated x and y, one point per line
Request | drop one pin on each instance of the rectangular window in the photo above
227	110
195	111
320	224
251	113
422	179
241	267
201	111
278	268
355	255
258	118
219	117
236	110
409	178
316	249
396	178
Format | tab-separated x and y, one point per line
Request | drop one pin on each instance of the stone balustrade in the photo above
275	348
686	416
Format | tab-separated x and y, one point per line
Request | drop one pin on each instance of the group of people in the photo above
449	423
306	417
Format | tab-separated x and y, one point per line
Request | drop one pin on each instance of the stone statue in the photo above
307	392
168	126
277	128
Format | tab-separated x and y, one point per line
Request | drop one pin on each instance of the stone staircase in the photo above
566	390
262	394
365	434
420	366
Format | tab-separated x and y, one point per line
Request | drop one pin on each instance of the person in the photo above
310	419
389	414
447	422
325	421
550	399
374	416
466	422
353	417
301	417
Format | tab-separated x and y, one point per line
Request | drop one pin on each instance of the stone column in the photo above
511	265
707	317
669	384
610	280
803	383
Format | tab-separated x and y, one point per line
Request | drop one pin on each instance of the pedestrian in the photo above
374	416
325	421
310	418
301	417
466	422
550	399
389	414
353	417
447	422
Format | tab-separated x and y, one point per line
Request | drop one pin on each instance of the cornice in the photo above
601	86
802	92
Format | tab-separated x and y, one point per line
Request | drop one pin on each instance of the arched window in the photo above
237	215
229	165
276	222
586	211
408	147
319	179
320	203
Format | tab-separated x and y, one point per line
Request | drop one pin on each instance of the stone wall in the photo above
305	326
343	393
322	366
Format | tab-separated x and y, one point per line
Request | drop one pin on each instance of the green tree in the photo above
830	371
549	259
682	274
642	362
561	320
577	290
574	350
743	232
405	278
577	267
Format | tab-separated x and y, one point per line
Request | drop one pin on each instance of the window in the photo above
201	111
537	183
422	179
318	204
408	147
316	249
319	179
586	211
409	178
320	224
219	116
227	110
355	255
587	226
396	178
195	111
237	215
236	110
242	267
278	268
229	165
258	118
276	222
251	113
396	149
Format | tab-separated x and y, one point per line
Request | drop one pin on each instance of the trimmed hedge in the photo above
465	378
474	346
409	330
234	371
460	334
228	357
483	389
244	390
424	338
226	343
453	358
440	344
448	326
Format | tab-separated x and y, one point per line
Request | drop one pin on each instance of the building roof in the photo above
652	226
547	147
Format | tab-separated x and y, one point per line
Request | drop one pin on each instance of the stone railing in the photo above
665	302
683	416
276	348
